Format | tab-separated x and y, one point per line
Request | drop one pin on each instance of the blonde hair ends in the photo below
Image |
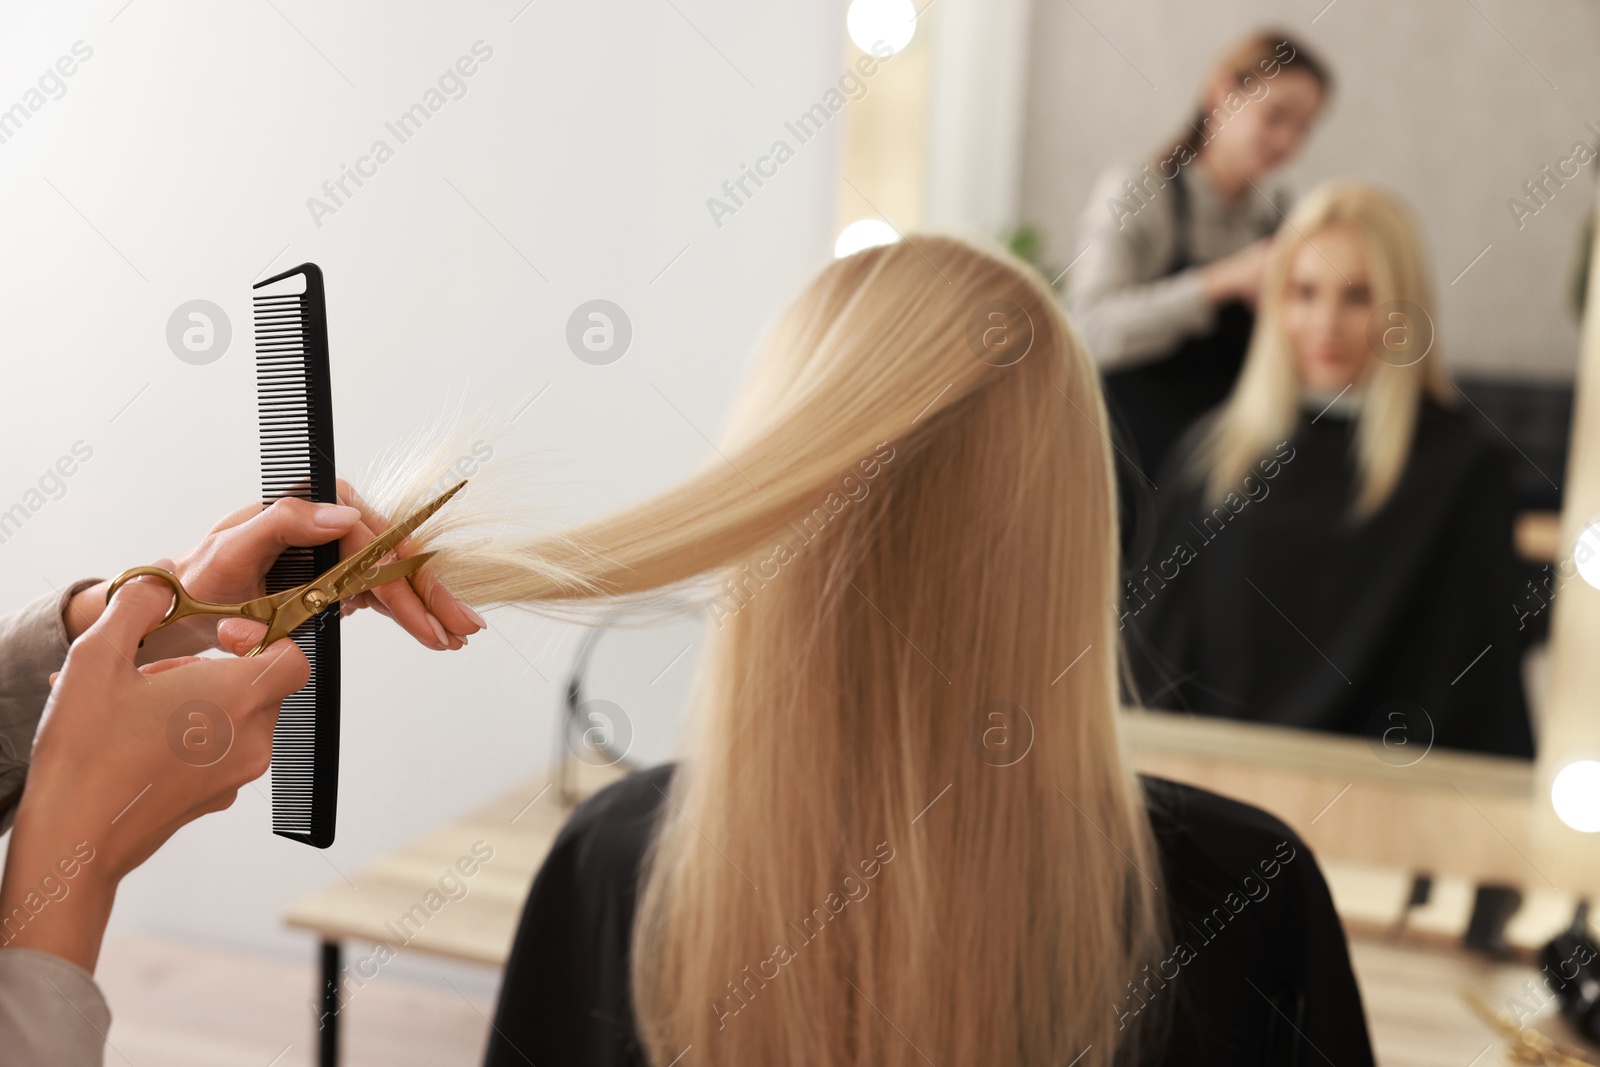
844	715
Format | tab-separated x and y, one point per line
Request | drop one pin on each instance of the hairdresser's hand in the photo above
421	605
1237	277
228	566
124	757
437	619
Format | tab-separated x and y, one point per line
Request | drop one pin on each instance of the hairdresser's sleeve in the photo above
33	642
1116	295
51	1012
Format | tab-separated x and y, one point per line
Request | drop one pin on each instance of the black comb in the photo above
296	418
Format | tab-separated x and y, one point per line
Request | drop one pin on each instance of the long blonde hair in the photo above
904	825
1265	402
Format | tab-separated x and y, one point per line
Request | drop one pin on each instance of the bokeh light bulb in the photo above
1586	554
863	233
1575	794
891	21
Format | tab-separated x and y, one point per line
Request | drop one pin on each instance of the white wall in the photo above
181	157
1452	105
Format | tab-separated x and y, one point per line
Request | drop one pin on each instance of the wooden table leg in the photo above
328	1032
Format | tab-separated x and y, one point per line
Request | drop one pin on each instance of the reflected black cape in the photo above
1257	970
1274	607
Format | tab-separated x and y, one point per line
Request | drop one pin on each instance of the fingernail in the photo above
439	632
467	608
335	516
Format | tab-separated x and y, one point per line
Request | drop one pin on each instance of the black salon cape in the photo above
1262	975
1280	610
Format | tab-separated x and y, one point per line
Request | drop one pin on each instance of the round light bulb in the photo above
863	233
1575	794
892	22
1586	554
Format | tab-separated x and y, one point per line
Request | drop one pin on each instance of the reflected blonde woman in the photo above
1324	331
1335	549
903	829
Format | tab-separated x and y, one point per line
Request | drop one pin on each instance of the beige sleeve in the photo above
1126	312
51	1012
33	642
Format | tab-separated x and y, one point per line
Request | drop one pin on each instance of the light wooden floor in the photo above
178	1005
174	1004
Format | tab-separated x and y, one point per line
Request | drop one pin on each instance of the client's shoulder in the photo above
634	796
610	830
1219	841
1180	807
1235	874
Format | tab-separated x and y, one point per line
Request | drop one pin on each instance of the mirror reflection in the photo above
1337	501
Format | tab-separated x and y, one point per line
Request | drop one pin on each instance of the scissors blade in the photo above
337	582
295	606
361	581
397	533
355	574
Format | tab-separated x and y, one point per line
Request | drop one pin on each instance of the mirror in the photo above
1141	157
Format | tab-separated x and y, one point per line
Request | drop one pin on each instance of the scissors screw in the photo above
314	600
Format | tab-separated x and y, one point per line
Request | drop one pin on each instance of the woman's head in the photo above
910	523
1346	303
1257	105
1326	307
1348	286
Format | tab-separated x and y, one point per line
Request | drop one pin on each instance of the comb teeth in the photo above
295	410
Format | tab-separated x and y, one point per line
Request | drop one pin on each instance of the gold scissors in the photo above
284	611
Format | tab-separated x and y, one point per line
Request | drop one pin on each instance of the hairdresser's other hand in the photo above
1237	277
421	605
229	566
126	756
